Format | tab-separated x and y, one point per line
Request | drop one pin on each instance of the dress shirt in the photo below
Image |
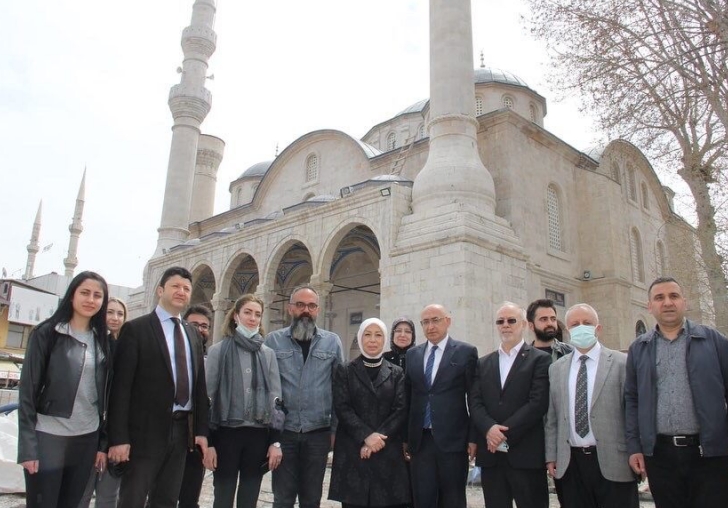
591	374
506	360
438	356
168	327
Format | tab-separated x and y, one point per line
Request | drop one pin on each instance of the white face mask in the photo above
247	332
583	336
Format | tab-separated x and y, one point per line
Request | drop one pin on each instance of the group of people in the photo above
136	412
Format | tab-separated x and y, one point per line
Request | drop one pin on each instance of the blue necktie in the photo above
428	380
581	408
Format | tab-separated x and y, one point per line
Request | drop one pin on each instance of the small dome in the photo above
417	107
491	75
256	170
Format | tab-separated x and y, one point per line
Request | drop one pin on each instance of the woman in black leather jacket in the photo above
63	388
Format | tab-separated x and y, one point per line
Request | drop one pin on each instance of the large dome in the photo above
256	170
491	75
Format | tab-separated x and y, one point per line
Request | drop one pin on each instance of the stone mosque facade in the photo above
465	199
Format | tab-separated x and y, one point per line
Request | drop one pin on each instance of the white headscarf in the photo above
360	334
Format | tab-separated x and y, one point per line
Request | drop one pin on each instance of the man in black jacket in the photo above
158	406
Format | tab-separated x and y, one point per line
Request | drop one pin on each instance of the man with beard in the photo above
541	317
307	357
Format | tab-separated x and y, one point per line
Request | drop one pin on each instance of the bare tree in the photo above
654	72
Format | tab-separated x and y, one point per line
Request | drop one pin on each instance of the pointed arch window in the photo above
478	105
645	196
421	131
391	141
553	212
238	196
639	328
616	173
508	102
632	182
635	247
312	168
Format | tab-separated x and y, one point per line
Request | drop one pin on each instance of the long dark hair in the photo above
231	325
64	312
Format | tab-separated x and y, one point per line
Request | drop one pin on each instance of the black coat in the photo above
364	407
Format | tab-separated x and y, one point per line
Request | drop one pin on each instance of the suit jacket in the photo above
447	396
142	392
606	416
520	405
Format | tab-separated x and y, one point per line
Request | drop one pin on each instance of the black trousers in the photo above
240	453
584	486
680	478
302	469
503	484
64	467
438	478
189	493
156	480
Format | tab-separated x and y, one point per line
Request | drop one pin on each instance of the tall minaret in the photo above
33	246
189	102
76	228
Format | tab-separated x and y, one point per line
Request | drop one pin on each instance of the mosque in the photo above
465	199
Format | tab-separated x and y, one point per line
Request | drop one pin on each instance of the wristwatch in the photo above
276	444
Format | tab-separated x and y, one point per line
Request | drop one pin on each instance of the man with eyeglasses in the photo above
438	377
508	401
307	357
200	318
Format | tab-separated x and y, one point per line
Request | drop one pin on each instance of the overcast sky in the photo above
84	83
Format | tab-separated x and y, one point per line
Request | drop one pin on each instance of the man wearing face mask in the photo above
541	317
586	447
307	358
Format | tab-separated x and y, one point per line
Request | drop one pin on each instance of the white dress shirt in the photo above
438	356
168	328
591	374
506	360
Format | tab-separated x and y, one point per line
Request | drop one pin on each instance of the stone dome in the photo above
492	75
256	170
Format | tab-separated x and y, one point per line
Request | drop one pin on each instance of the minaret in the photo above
33	246
209	156
189	102
75	228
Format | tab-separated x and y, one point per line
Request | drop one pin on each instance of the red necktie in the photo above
182	390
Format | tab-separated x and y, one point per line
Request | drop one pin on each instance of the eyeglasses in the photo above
510	321
434	321
301	305
200	326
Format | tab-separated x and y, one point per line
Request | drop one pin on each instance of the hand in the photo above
472	451
375	441
275	456
551	468
31	466
405	451
495	437
201	441
119	453
365	452
209	459
637	463
101	462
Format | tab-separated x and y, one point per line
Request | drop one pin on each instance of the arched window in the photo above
391	141
421	131
616	173
639	328
553	212
312	167
508	101
532	112
238	196
645	196
660	261
635	247
632	182
478	105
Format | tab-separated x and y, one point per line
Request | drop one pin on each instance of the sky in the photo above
84	84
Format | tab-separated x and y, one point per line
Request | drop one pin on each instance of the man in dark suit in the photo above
439	375
508	400
158	405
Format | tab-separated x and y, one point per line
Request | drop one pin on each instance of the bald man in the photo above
586	448
508	402
439	375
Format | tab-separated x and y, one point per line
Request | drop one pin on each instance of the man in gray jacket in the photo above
676	391
307	357
585	443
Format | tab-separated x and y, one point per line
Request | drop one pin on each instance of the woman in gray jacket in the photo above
243	384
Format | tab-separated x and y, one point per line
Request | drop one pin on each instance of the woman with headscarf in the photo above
369	398
401	340
243	383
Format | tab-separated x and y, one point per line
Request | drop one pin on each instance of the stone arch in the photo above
204	285
242	275
290	265
639	328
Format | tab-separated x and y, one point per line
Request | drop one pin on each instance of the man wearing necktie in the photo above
586	446
508	401
158	406
439	375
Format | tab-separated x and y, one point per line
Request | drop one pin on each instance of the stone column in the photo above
220	308
324	290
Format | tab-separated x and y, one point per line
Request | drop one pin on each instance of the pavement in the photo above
474	493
